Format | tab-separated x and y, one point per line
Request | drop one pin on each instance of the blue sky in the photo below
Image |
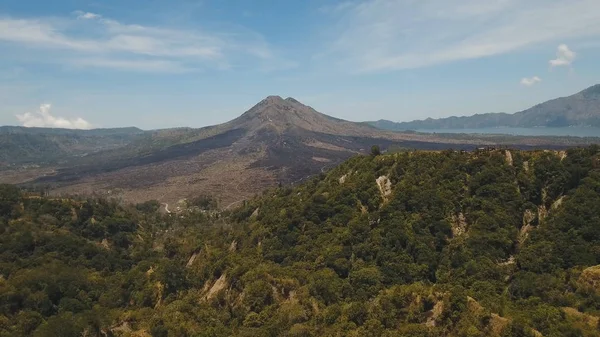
157	64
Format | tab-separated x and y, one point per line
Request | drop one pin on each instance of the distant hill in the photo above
581	109
58	131
21	145
276	141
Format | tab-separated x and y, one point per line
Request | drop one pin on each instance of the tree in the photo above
375	150
9	198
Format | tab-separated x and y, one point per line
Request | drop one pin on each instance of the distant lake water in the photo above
568	131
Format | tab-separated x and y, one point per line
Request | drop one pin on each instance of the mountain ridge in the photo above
59	131
579	109
276	141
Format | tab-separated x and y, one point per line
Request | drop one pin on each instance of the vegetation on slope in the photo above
491	243
43	146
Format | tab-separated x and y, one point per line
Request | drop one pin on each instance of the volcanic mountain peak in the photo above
292	100
281	114
273	99
278	103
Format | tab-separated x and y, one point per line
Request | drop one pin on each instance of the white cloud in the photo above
91	36
158	66
44	119
87	15
378	35
528	82
564	56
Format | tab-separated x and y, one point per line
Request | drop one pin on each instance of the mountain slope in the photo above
277	141
20	145
489	243
581	109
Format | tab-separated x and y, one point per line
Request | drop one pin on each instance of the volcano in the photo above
283	115
277	141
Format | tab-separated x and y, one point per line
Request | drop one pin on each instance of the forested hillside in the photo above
488	243
47	146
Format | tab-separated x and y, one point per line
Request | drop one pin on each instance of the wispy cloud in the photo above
86	15
376	35
44	119
530	81
564	57
85	37
157	66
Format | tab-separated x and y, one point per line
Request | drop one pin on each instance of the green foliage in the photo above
375	150
148	206
9	199
204	202
464	244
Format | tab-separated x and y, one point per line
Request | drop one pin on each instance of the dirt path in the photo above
233	203
166	207
237	188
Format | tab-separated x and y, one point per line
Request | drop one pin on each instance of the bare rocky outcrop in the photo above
233	246
73	214
589	280
385	187
558	202
343	179
474	306
119	329
160	289
528	217
123	327
509	157
511	261
459	224
363	209
315	306
219	285
497	324
436	313
542	213
544	194
524	233
105	244
526	166
191	260
573	313
562	155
